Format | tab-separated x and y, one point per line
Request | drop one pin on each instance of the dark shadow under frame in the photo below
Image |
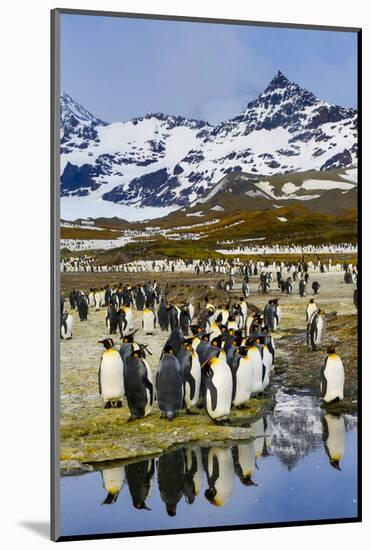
55	271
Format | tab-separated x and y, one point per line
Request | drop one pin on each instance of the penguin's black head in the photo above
108	343
187	344
311	301
217	341
171	510
335	464
210	494
168	349
206	337
141	506
331	349
248	482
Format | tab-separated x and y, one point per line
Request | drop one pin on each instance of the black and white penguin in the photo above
270	315
149	321
82	306
138	382
315	287
175	340
193	473
311	310
243	379
220	475
316	329
185	320
139	478
112	319
169	384
332	377
256	362
163	315
173	317
218	388
171	477
111	376
244	462
66	326
191	371
333	437
113	480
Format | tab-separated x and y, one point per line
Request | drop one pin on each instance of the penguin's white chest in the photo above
246	458
222	381
225	481
243	381
257	370
334	374
112	376
113	479
336	438
148	321
66	333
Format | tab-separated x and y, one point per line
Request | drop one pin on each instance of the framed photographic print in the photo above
205	283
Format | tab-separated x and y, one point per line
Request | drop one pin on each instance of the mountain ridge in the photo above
161	160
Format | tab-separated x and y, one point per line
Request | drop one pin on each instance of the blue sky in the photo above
121	68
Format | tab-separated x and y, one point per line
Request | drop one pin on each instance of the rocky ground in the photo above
90	433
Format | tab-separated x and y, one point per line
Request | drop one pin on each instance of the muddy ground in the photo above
90	433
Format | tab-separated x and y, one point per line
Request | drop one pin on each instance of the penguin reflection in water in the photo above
113	480
193	473
244	462
111	375
332	377
171	477
139	477
220	475
333	437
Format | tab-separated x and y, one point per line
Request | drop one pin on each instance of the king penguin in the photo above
66	326
332	377
149	321
169	384
138	382
111	376
219	388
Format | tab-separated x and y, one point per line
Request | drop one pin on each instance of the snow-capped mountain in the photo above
169	161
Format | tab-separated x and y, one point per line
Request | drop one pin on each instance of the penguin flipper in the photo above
99	378
192	384
213	395
149	387
323	380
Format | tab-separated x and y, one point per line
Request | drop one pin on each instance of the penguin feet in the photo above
201	404
119	404
108	405
222	422
132	418
191	413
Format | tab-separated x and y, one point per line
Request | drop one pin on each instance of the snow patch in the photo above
326	184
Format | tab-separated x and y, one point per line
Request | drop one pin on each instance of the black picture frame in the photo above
55	271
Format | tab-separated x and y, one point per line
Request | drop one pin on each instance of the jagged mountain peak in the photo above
71	108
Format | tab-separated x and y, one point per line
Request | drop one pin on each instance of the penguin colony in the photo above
215	360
